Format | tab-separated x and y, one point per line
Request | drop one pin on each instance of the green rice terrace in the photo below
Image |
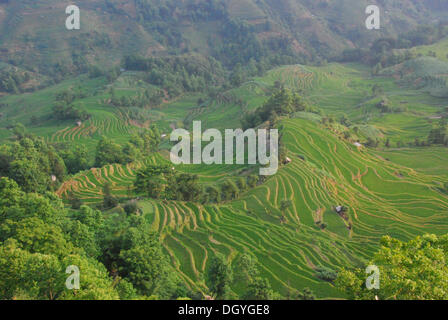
394	191
383	197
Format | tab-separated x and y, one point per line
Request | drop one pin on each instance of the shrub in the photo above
131	207
326	274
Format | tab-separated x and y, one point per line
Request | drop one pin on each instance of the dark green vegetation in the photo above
87	181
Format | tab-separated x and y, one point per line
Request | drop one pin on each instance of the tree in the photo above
147	140
89	217
229	190
95	282
145	266
75	159
153	180
187	187
35	236
220	277
246	269
35	276
326	274
285	204
109	201
259	289
31	163
131	207
16	205
414	270
282	102
81	236
132	251
252	181
107	152
306	294
214	194
42	276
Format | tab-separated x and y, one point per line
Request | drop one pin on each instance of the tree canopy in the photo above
414	270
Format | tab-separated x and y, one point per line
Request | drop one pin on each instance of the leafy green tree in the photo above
90	217
36	276
259	289
220	277
306	294
107	152
35	236
252	181
95	282
126	290
187	187
75	202
81	236
326	274
16	205
131	250
31	163
42	276
246	269
285	204
214	194
131	207
229	190
109	201
75	159
153	180
414	270
144	266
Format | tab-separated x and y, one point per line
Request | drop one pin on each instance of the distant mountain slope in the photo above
33	34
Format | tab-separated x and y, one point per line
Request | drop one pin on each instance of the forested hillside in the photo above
33	34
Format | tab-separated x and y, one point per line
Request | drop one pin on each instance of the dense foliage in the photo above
414	270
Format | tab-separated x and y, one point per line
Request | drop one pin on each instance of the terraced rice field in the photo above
383	197
88	185
117	125
295	77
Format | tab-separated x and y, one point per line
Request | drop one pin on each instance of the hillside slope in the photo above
33	34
